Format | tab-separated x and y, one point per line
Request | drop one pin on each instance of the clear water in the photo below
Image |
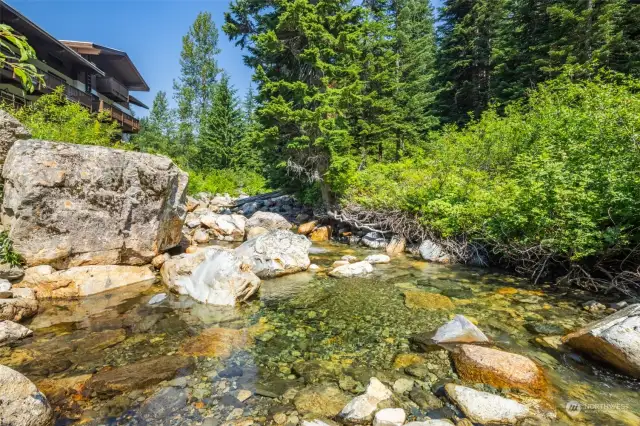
303	329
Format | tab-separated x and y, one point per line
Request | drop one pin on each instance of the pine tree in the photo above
198	73
468	39
416	49
157	132
249	107
304	54
222	127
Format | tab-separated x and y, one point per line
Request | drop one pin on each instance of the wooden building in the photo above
97	77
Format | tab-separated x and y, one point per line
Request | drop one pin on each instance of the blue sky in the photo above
150	31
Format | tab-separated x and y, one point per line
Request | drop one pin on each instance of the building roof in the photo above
115	63
136	101
26	27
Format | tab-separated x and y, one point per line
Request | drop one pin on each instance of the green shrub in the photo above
7	255
558	177
230	181
53	117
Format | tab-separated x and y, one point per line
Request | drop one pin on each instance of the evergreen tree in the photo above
416	49
468	39
249	107
222	126
157	131
198	73
305	57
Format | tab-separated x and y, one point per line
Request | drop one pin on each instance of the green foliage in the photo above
16	53
158	131
230	181
559	173
221	143
7	254
53	117
195	87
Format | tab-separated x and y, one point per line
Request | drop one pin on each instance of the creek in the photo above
112	358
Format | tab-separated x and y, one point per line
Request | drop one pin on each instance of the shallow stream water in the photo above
114	359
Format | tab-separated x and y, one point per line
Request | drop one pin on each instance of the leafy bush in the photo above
53	117
555	181
230	181
7	255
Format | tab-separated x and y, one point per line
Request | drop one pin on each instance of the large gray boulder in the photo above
11	130
268	221
72	205
214	276
276	253
21	403
614	340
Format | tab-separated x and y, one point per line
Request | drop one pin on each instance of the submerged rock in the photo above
434	422
352	270
139	375
485	408
478	364
11	332
377	258
215	276
276	253
361	408
614	340
72	205
158	298
21	403
433	252
320	400
163	404
426	300
459	330
82	281
216	342
390	417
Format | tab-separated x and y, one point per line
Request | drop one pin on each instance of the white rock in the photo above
378	258
318	422
21	404
314	267
433	422
157	299
390	417
614	340
225	227
352	270
486	408
11	331
83	280
374	240
362	407
5	285
433	252
459	330
403	385
349	258
276	253
201	236
215	276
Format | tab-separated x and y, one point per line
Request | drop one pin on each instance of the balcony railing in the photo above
127	122
91	102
